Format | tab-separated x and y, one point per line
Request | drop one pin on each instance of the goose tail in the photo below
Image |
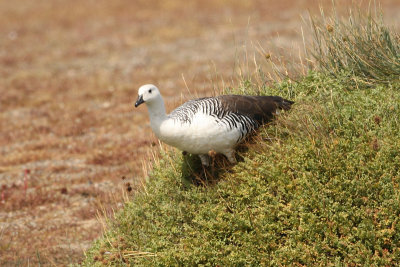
283	103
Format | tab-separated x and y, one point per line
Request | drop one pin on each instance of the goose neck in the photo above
157	111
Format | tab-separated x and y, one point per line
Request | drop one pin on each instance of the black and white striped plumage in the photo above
211	123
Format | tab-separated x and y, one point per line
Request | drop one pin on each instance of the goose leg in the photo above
205	159
230	155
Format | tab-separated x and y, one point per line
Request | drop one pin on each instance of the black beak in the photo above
139	101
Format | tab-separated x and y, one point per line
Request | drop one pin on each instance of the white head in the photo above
147	93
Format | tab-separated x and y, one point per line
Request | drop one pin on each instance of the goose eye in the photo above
150	91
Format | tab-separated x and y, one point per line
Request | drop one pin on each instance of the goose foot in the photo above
205	160
230	155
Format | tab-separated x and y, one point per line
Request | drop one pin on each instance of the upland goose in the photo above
210	123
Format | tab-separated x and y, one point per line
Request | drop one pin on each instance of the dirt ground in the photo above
72	146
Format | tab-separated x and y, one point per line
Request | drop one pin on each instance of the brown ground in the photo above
69	73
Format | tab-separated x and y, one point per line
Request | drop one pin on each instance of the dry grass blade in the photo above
133	253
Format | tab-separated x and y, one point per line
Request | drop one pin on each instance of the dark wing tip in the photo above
285	104
282	103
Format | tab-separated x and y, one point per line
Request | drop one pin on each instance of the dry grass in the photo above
68	78
364	45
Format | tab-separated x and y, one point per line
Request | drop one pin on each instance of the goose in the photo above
211	123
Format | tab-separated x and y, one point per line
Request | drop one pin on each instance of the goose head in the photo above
148	93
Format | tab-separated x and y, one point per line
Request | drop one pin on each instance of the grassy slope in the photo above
322	187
